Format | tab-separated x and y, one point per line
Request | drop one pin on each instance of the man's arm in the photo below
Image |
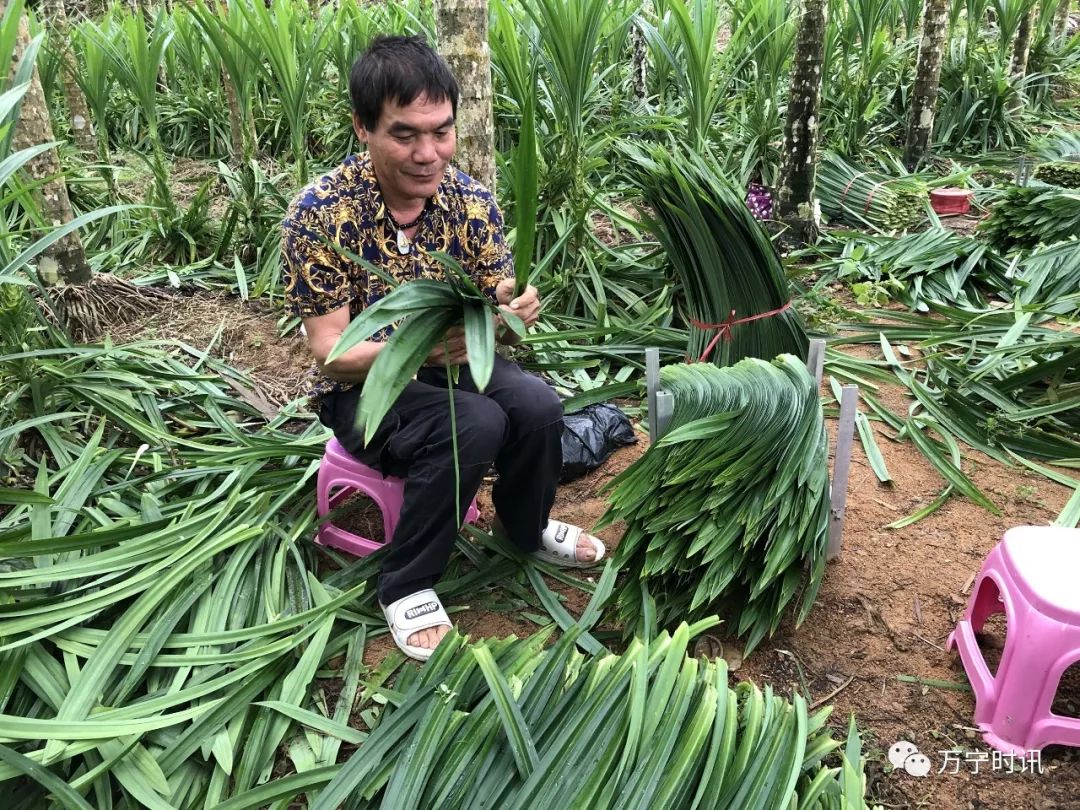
323	332
489	261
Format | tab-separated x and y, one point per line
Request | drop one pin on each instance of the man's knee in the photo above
537	406
481	428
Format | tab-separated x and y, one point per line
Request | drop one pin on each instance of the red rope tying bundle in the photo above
724	327
870	196
847	188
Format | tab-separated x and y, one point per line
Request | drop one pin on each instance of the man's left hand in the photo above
526	306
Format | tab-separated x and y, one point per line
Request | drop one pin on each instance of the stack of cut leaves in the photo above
1006	384
163	630
861	197
734	289
1064	173
515	725
161	622
1058	144
730	508
1028	216
918	269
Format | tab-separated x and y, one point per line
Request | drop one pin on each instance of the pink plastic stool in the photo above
1031	577
340	471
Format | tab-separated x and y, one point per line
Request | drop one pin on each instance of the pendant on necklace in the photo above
403	244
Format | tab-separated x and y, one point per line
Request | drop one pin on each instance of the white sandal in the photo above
411	614
558	545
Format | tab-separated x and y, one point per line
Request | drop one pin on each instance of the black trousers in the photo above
515	424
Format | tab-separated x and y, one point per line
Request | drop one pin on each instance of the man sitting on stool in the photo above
394	206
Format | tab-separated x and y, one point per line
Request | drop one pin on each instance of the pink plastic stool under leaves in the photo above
341	476
1030	576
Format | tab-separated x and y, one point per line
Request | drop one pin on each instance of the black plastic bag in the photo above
590	436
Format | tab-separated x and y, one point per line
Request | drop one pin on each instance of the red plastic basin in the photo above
950	200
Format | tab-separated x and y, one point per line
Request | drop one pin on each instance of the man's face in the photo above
410	148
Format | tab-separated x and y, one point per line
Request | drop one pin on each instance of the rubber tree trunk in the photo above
76	10
798	208
82	128
1022	45
463	43
927	73
639	64
242	140
1021	51
148	9
237	135
1061	17
64	260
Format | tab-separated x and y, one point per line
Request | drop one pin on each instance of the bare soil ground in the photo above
883	614
244	334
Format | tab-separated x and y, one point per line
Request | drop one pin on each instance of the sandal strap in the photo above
417	611
561	539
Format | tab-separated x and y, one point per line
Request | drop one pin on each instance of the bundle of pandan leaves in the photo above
521	725
730	508
1063	173
1049	278
733	286
1028	216
861	197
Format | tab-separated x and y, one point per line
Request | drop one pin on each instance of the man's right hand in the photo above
451	351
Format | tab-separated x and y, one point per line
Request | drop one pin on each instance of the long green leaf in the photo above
59	789
517	732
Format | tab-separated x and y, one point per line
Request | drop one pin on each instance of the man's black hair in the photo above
399	69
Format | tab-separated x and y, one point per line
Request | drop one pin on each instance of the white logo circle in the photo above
917	764
900	751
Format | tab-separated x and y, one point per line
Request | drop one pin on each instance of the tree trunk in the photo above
1061	17
927	73
1022	46
639	64
81	127
65	259
463	42
798	207
1021	51
237	133
242	139
77	10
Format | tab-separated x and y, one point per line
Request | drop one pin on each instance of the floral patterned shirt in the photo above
345	209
